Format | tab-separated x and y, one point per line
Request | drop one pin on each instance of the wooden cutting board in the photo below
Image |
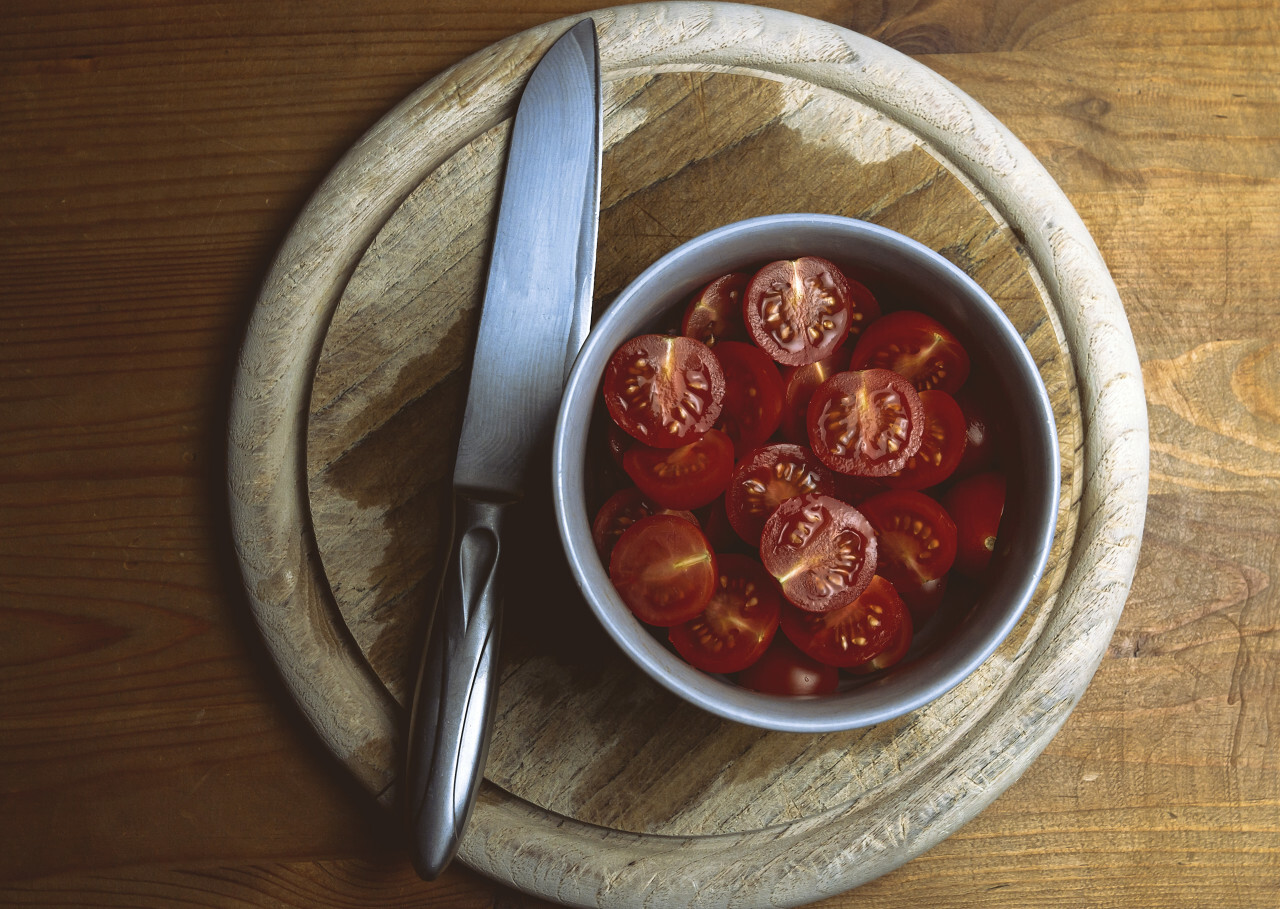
601	788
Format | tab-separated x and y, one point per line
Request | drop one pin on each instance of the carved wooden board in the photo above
601	787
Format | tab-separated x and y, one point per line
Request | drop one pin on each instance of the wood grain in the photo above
152	157
935	768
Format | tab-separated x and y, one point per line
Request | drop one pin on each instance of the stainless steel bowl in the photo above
937	287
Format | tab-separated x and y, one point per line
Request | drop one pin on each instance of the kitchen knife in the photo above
536	315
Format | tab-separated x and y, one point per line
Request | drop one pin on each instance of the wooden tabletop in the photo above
151	161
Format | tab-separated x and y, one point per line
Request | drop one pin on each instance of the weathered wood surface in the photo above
149	756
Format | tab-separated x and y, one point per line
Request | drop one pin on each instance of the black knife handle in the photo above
452	710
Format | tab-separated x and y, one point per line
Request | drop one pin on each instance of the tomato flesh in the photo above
799	384
714	313
785	670
856	632
916	537
942	444
687	477
892	654
665	391
914	345
664	570
738	623
822	551
766	478
619	512
981	442
798	310
753	391
976	504
866	423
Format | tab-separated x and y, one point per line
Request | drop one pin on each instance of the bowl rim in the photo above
863	706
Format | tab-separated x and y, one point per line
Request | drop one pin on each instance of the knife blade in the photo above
535	316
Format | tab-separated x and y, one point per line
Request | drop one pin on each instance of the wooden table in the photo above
152	159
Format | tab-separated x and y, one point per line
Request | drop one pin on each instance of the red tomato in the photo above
976	504
799	384
864	310
766	478
981	440
785	670
892	654
798	310
916	538
916	346
821	550
738	623
664	570
683	478
865	423
941	445
714	313
665	391
619	512
752	395
856	632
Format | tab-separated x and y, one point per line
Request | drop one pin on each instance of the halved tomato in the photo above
664	570
737	624
891	655
619	512
753	390
683	478
784	670
766	478
941	445
976	504
916	537
981	442
799	384
822	551
798	310
714	313
865	423
915	345
861	629
664	390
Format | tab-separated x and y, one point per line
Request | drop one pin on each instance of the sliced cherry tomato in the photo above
752	395
976	504
915	535
798	310
981	442
914	345
619	512
821	550
738	623
941	445
766	478
716	526
856	632
665	391
786	671
714	313
892	654
799	384
664	570
865	423
864	309
924	601
683	478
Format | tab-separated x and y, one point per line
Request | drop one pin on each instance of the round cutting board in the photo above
601	788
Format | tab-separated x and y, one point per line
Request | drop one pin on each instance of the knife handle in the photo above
451	715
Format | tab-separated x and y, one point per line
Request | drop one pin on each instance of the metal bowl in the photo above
932	284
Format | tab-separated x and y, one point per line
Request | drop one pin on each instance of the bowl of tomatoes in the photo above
806	473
